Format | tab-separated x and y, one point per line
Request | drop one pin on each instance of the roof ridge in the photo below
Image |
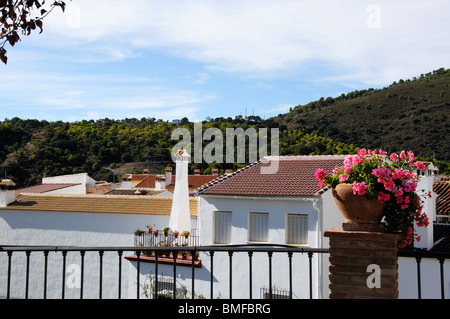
306	157
224	177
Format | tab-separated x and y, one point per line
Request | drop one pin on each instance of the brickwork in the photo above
353	249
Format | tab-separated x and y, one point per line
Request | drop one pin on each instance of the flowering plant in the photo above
391	180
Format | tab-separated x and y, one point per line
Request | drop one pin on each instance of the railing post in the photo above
120	275
194	252
419	284
290	274
250	274
155	295
310	255
100	294
9	275
174	255
211	282
45	272
270	273
27	281
138	273
64	254
82	253
230	257
441	264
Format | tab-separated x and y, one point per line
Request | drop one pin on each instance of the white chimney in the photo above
168	175
425	186
7	192
180	216
160	182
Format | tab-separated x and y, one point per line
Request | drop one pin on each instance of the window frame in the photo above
287	229
250	237
215	227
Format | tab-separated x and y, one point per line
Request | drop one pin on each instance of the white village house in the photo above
245	207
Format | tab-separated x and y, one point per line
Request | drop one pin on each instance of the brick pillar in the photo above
352	249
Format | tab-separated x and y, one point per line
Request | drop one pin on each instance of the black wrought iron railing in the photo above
10	256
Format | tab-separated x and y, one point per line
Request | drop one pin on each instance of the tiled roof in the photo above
294	177
442	189
194	181
115	204
43	188
147	182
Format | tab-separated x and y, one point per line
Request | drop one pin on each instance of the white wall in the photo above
70	229
277	209
430	278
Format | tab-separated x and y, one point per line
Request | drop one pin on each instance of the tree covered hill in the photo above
411	114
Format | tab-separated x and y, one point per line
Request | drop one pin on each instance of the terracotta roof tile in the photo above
294	177
116	204
442	189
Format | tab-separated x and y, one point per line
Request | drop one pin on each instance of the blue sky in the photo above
200	58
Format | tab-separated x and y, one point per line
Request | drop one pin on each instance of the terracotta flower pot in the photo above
357	208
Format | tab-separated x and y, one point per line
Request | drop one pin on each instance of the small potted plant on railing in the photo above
175	234
138	232
155	233
166	231
186	234
150	228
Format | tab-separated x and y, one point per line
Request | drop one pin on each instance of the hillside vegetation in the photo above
411	114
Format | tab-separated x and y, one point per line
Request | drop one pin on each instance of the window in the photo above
258	230
296	229
222	228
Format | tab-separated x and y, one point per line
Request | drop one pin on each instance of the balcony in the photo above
157	238
45	272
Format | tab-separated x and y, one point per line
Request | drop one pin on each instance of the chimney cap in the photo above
7	184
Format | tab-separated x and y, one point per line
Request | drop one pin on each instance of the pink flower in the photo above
320	173
389	185
362	152
343	177
348	161
359	188
348	169
383	197
357	160
420	165
321	184
394	157
403	155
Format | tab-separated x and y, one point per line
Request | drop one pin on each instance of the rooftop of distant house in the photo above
92	203
442	190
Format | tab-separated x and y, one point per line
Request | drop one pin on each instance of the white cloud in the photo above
263	36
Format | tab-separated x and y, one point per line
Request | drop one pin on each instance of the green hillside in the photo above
409	114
